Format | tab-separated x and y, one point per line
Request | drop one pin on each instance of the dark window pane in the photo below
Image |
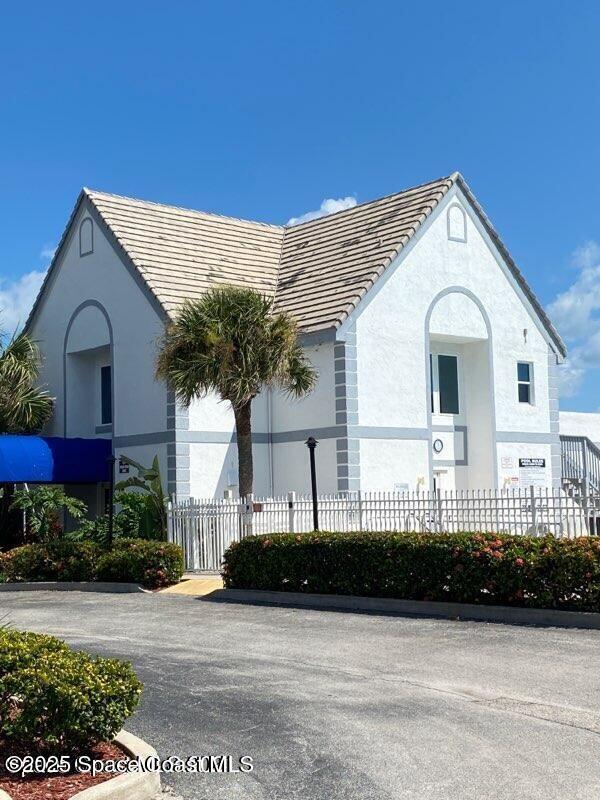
524	393
523	371
448	377
106	392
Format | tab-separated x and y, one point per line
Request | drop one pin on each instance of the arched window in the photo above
86	237
457	224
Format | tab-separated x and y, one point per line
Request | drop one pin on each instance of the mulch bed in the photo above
55	787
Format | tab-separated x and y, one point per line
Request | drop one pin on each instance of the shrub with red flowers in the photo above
460	567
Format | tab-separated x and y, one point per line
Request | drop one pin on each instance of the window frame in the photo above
108	405
434	376
86	223
529	383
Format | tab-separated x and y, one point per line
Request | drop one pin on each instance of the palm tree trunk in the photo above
243	428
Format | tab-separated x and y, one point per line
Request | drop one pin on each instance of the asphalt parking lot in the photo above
338	705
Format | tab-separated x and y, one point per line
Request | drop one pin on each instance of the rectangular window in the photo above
525	382
448	384
106	395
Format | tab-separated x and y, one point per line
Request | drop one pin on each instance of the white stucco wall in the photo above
580	423
393	357
140	401
389	466
139	405
316	410
292	468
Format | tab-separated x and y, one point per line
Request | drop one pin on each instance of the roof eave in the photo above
518	275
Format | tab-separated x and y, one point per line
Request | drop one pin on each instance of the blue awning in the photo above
51	459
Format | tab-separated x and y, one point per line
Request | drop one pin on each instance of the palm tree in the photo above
24	408
232	342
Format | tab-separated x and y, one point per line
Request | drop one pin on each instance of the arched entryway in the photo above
88	387
460	392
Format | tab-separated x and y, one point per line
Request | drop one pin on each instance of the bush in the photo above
462	567
56	700
151	564
60	560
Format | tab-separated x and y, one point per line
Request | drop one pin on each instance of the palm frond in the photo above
232	343
24	408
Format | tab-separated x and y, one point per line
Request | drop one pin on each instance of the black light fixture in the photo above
311	443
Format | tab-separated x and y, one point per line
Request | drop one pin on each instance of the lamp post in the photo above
111	499
311	443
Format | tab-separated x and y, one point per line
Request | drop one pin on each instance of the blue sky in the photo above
266	109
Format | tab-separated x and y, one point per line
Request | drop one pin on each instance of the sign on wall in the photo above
532	472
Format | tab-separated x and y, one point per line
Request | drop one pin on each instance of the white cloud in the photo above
588	255
328	206
47	252
576	314
16	299
17	296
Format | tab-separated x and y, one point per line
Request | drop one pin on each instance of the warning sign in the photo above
532	462
532	472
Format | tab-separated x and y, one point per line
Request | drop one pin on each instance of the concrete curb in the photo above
72	586
129	786
418	608
132	786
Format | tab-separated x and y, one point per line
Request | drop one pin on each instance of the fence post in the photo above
170	521
533	509
360	511
248	511
291	512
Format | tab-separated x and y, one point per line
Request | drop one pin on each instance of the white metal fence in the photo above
206	528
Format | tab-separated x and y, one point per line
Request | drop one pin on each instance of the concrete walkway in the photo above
345	706
195	585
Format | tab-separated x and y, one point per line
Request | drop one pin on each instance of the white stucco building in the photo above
437	365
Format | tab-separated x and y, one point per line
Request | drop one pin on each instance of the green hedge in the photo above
462	567
152	564
56	700
60	560
149	563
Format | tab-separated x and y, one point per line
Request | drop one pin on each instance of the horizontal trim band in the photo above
526	437
449	428
382	432
330	432
139	439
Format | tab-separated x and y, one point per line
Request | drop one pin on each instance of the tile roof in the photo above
317	270
181	253
329	263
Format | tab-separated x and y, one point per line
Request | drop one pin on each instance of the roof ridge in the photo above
92	192
452	178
